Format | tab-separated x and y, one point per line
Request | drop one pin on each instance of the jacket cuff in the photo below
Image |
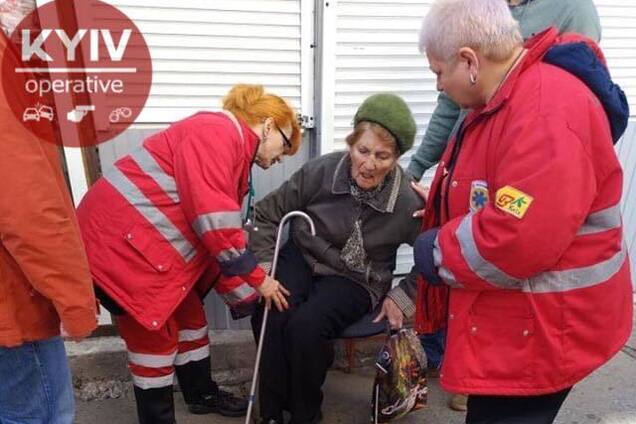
402	300
255	278
423	255
79	321
239	265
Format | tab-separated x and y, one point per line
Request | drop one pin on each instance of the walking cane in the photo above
272	273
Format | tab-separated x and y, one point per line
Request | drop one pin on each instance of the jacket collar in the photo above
252	141
386	199
536	48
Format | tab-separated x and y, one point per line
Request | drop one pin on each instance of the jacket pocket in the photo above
501	337
154	250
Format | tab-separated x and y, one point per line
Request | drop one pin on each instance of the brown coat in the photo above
321	189
44	274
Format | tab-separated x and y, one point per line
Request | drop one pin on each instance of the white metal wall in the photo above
200	48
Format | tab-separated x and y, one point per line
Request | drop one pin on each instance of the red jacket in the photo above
44	276
169	211
530	237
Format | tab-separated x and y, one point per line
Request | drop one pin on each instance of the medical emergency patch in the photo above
513	201
478	195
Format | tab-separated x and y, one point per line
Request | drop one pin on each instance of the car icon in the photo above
46	112
30	114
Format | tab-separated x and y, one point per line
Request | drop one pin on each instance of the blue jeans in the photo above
35	384
433	345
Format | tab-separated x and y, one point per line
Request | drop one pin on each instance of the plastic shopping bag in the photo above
400	383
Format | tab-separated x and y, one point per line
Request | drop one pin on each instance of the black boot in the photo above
202	395
155	406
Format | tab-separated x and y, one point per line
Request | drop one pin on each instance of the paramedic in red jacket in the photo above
166	214
523	218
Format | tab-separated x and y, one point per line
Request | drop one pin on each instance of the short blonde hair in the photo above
486	26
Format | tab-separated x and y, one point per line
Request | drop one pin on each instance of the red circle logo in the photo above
77	73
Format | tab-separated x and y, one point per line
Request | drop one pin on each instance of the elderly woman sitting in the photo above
362	205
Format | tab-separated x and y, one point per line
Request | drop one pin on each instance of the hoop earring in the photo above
473	79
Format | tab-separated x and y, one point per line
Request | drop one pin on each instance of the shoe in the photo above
221	402
202	394
458	402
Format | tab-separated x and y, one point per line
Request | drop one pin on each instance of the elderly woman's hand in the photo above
392	312
423	193
273	291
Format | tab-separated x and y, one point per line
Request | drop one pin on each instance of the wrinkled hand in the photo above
423	193
74	338
392	312
273	291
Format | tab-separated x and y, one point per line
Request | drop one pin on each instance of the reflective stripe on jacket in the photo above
530	238
169	211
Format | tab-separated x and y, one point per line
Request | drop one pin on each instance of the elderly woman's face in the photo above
453	78
372	158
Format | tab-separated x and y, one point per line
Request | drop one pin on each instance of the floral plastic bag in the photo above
400	382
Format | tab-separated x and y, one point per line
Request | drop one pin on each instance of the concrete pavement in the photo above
608	397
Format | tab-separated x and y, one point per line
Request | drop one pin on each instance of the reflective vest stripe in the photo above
217	221
192	355
149	165
603	220
546	282
154	215
239	294
193	335
151	361
153	382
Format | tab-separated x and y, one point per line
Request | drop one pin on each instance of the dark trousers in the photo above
515	409
298	347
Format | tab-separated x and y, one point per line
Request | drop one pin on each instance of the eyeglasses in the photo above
286	142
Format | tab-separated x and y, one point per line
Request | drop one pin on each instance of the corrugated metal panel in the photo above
201	48
618	21
376	50
626	150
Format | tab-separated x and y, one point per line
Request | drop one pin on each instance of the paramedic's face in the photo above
372	158
453	78
273	145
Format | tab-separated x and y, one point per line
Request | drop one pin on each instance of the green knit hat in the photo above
390	111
